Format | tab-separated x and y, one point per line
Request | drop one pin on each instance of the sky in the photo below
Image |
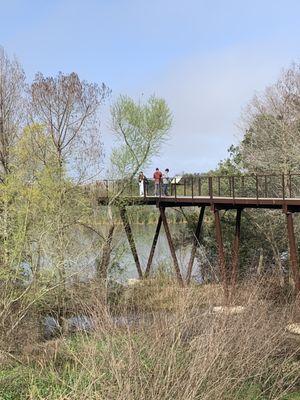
206	58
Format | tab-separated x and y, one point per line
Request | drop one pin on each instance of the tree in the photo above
12	83
271	144
272	127
69	146
68	109
12	80
232	165
140	129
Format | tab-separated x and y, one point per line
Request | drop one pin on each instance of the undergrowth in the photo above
163	342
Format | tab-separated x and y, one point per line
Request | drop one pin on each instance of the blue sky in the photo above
206	58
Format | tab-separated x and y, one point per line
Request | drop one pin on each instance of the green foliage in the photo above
232	165
41	233
140	130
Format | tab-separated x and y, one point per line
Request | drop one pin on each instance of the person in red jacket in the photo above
157	181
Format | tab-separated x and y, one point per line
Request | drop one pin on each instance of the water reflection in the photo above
143	235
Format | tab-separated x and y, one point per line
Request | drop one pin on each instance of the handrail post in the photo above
232	184
243	186
184	187
283	186
199	186
230	190
210	187
219	186
192	188
256	186
175	188
266	186
290	184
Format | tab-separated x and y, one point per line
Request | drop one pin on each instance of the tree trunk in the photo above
103	265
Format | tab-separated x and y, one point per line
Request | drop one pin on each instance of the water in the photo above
85	265
143	236
85	248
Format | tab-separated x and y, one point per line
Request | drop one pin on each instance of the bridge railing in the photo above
257	186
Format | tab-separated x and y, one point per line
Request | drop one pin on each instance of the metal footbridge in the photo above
216	192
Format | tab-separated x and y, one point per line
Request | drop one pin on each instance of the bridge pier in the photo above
293	250
161	220
128	231
195	245
235	248
171	245
221	253
153	247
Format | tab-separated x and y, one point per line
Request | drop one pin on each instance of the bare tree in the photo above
12	83
272	139
68	108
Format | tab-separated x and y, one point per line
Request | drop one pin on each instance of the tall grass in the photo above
164	342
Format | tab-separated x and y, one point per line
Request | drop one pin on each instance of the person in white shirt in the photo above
141	180
165	181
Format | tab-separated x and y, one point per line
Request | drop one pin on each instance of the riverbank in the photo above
177	347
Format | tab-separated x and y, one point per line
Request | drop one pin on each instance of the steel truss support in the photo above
195	245
152	251
235	248
171	245
293	250
222	260
131	242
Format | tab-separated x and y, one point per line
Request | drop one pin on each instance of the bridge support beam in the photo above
153	247
171	245
195	245
293	250
235	248
222	260
128	231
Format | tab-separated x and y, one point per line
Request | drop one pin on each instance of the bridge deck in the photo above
292	204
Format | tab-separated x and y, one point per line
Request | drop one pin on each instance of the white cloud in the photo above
206	95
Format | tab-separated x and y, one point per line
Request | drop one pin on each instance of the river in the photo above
143	236
85	252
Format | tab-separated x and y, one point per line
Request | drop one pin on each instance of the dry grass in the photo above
169	344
